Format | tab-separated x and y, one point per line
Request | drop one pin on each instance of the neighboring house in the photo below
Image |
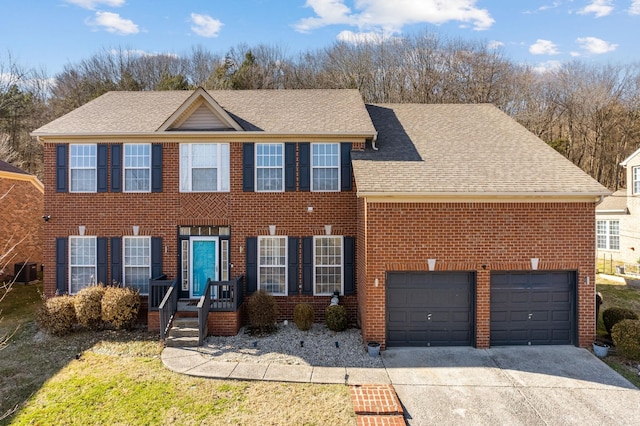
437	224
618	218
21	207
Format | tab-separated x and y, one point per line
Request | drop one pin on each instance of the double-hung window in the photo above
137	263
328	264
137	167
272	265
636	180
270	167
608	234
325	167
83	171
204	167
82	263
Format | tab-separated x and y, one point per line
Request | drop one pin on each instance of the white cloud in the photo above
357	38
596	46
495	44
599	8
547	66
390	16
543	47
93	4
635	7
141	53
205	25
114	23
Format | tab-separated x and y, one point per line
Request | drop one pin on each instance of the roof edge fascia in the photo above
245	136
23	177
482	197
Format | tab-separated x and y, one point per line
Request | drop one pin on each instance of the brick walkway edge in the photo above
376	405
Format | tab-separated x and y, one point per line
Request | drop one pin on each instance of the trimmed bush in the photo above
56	315
120	307
336	317
612	316
88	304
263	312
626	337
303	316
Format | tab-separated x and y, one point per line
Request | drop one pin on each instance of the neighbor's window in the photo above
82	263
83	168
137	167
137	263
636	180
269	167
327	264
325	167
272	264
608	234
204	167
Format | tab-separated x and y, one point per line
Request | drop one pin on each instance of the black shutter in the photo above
156	167
102	260
292	263
289	166
101	167
116	260
345	166
305	166
156	256
307	265
61	266
62	172
349	265
252	264
247	167
116	168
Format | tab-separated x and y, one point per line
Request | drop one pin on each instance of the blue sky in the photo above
51	33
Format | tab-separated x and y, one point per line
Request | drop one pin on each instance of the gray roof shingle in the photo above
6	167
455	148
274	111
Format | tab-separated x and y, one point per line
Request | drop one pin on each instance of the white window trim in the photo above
223	179
124	259
607	235
94	265
125	168
326	167
95	169
255	161
286	266
315	238
635	177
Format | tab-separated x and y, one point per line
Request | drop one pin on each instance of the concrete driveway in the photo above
524	385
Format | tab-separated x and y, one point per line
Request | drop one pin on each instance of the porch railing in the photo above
203	313
228	295
168	304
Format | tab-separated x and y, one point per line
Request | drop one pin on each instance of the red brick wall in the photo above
465	236
21	213
249	214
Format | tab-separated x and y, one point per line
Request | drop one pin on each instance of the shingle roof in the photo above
275	111
616	202
449	149
6	167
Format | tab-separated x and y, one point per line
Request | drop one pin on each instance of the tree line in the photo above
587	112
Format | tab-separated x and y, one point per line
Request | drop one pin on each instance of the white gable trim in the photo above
629	158
197	98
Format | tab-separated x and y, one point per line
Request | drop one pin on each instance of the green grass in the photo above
119	379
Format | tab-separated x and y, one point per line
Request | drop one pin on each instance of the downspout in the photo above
373	142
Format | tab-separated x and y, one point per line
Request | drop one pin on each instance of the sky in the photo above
49	34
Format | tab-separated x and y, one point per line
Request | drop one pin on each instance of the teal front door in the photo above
204	263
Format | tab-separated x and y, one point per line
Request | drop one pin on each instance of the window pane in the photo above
272	261
328	264
137	180
204	179
636	180
82	262
204	167
325	179
325	168
137	263
269	179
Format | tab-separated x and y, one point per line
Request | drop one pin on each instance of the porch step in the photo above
182	342
183	333
186	322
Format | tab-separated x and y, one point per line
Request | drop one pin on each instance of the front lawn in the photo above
118	378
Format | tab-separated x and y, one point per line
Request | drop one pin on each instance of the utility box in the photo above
25	272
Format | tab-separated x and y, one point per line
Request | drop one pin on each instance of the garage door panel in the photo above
437	306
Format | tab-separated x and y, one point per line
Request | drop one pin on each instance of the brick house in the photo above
21	224
618	218
436	224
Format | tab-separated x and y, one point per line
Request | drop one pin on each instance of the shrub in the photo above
88	304
120	307
626	337
263	312
336	317
303	316
56	315
612	316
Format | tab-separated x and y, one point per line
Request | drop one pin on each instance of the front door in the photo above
203	263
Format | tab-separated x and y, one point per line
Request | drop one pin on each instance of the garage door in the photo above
430	309
532	308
